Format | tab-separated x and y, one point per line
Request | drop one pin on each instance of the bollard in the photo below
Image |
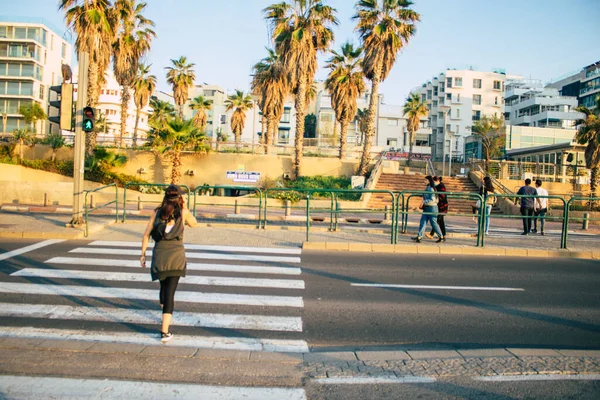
288	208
236	207
586	221
45	199
386	215
92	204
140	206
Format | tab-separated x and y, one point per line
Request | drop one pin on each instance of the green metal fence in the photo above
87	210
198	192
567	215
160	185
515	197
403	209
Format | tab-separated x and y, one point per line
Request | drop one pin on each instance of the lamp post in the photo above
444	140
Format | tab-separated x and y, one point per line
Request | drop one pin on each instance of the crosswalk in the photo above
234	298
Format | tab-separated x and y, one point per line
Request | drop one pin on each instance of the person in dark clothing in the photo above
168	257
527	205
442	206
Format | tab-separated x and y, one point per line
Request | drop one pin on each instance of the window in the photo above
476	115
209	93
392	122
435	90
283	136
449	82
458	97
423	97
458	82
477	99
441	115
458	113
326	117
449	96
392	142
63	51
435	103
42	91
286	115
476	83
429	95
51	42
496	100
497	85
223	118
456	131
442	100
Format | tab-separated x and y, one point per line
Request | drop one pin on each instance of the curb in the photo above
449	250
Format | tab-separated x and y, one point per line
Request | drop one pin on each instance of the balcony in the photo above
592	74
589	89
20	54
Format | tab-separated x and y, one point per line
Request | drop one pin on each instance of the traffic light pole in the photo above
79	145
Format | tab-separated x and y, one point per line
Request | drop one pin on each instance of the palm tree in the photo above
94	24
55	141
32	113
415	108
181	77
589	133
345	83
132	42
385	27
23	136
241	102
362	118
301	29
271	83
201	105
143	87
172	139
162	112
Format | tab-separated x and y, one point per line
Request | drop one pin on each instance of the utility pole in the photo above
79	144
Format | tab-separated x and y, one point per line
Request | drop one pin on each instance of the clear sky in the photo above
541	39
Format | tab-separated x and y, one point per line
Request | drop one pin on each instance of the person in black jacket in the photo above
442	205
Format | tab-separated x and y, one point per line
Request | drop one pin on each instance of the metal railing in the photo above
200	190
87	211
567	214
158	185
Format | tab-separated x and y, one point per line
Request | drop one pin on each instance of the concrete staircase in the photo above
400	182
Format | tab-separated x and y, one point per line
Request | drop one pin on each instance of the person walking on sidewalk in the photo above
442	206
168	257
487	191
429	205
527	205
541	206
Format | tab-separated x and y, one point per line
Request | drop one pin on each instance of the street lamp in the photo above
444	139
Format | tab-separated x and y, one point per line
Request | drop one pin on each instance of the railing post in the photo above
92	205
565	227
125	201
307	216
140	207
586	221
116	203
236	207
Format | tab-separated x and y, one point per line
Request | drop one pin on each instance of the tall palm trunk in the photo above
593	183
124	108
300	115
181	110
135	126
272	124
343	134
411	138
366	156
176	167
92	101
264	137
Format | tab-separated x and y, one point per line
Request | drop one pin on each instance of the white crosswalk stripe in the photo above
92	275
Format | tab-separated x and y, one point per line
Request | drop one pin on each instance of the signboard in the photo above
403	155
358	182
240	176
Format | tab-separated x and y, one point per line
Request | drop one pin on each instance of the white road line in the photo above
371	380
232	249
9	254
381	285
22	387
131	316
207	256
145	277
146	294
252	269
540	377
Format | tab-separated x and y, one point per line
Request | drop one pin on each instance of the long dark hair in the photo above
487	184
430	179
172	204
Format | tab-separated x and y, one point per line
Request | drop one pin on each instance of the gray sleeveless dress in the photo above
168	256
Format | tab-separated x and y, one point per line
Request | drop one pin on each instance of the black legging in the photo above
441	223
167	293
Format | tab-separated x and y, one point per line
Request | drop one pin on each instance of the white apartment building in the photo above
31	55
109	107
456	99
528	103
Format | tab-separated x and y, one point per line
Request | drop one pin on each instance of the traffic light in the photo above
64	117
88	119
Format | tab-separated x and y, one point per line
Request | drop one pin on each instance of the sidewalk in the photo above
501	242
